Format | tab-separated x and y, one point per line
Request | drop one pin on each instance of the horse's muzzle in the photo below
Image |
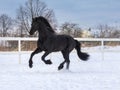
30	33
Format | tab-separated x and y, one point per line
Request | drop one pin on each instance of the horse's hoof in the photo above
30	65
48	62
60	67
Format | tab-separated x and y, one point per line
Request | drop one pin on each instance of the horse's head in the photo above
34	26
41	24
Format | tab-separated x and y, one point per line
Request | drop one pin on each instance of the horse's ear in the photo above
34	19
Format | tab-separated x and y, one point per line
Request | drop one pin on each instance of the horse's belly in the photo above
56	46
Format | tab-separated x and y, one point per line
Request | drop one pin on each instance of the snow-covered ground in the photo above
95	74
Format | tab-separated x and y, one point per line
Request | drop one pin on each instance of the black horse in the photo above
49	42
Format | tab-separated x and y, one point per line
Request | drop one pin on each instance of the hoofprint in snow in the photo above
94	74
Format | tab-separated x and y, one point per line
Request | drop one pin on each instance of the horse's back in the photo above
66	41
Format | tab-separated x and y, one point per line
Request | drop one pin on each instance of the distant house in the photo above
86	33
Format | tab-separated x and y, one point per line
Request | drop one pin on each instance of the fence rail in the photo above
19	40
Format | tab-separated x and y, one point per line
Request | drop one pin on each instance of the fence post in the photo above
102	48
19	50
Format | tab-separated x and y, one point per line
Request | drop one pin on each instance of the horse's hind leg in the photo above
33	53
46	61
61	65
66	57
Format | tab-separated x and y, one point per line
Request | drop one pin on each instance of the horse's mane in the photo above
45	21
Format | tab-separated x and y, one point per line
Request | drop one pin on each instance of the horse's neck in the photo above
42	36
44	32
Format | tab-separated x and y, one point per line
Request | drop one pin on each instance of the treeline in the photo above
20	26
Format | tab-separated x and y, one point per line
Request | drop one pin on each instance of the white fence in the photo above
19	40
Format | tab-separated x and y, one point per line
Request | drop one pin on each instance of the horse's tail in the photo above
82	56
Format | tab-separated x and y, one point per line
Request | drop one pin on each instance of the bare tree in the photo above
106	31
114	32
71	29
5	24
23	26
31	9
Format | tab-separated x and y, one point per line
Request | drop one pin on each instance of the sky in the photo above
86	13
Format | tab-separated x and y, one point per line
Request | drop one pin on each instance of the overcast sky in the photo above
84	12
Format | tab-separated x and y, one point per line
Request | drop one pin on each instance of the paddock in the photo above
95	74
100	72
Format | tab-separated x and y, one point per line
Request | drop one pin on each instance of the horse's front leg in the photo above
33	53
46	61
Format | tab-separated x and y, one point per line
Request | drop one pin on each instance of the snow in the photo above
94	74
